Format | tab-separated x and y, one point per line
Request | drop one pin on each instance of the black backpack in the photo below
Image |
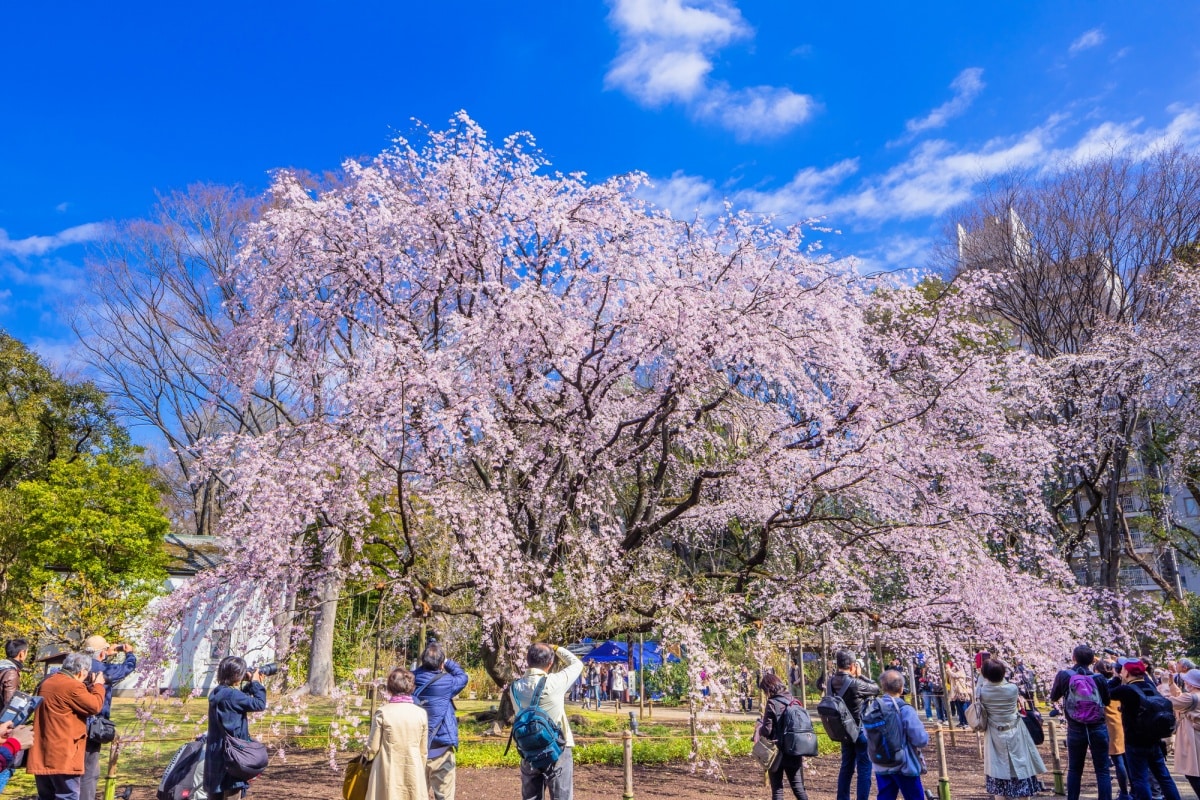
796	736
839	723
184	777
1155	716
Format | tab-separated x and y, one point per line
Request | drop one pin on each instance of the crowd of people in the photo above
1121	716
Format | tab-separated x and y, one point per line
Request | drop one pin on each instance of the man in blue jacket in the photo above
438	681
101	651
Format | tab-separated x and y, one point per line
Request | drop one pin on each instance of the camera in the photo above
266	670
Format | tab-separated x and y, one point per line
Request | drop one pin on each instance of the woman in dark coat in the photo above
790	767
228	706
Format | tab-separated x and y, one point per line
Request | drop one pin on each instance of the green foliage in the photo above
80	526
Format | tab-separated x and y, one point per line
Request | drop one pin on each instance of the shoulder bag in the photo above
976	715
244	759
765	751
358	776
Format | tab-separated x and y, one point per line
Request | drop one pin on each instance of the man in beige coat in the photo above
398	744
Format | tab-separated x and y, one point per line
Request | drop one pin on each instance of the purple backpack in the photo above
1082	703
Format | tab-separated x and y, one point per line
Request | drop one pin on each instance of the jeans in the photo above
57	787
790	767
959	709
891	785
1118	762
932	702
1081	738
1142	762
5	777
854	757
558	779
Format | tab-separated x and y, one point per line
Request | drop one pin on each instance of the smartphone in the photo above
19	709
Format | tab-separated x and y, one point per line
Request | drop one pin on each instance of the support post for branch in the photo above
945	698
641	673
803	681
943	769
1056	759
627	738
110	779
692	727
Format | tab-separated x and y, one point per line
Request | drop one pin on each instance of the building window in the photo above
1134	576
221	641
1190	509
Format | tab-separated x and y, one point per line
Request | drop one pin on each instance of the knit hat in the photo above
1192	678
1135	667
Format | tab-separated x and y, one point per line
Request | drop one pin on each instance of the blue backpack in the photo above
887	744
538	738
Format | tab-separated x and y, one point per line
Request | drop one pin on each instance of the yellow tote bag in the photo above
358	774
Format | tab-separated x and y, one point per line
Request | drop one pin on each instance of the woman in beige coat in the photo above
1011	762
398	744
1187	717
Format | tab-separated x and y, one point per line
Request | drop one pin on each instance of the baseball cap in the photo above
95	643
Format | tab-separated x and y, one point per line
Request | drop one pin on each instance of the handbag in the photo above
1033	723
358	776
100	730
767	754
976	715
244	759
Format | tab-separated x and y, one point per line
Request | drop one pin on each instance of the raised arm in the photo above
458	676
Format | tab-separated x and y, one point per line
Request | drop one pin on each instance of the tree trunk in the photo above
499	666
320	659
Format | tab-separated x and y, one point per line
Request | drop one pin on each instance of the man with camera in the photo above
68	699
101	651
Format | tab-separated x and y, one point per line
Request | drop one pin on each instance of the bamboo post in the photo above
912	686
110	780
803	681
692	727
1056	759
945	699
943	769
627	738
641	675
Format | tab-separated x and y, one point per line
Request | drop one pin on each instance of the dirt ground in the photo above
307	776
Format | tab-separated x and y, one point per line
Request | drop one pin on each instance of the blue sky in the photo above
879	117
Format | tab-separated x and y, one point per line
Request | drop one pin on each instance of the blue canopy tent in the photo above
612	652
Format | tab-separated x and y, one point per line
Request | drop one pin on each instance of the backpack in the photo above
1082	703
184	777
538	738
1155	716
886	743
839	723
796	736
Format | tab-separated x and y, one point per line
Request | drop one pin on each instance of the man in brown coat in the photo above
60	731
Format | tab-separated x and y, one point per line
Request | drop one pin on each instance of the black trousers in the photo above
791	768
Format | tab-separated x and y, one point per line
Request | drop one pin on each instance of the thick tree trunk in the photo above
499	666
320	660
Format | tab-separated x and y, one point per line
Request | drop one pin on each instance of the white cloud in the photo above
666	55
40	245
934	177
62	207
966	86
1093	38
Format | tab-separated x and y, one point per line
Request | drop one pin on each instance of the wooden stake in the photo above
1056	759
943	769
627	738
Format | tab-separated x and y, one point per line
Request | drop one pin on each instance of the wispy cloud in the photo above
934	177
1093	38
966	86
666	55
62	207
41	245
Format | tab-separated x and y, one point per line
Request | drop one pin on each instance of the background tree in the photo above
82	531
1076	262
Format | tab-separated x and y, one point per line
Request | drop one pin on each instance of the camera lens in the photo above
267	670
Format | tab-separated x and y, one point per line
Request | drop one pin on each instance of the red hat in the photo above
1135	668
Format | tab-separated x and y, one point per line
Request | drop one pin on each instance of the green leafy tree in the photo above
81	529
